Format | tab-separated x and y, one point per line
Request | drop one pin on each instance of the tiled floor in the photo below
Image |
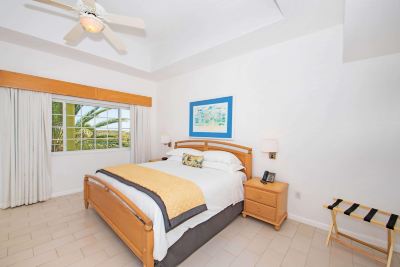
60	232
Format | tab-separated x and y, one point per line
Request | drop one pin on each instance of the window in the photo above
88	127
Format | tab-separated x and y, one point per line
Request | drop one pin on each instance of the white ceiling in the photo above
180	35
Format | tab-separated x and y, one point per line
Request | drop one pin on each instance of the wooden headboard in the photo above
243	153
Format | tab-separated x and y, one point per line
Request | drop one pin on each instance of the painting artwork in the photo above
211	118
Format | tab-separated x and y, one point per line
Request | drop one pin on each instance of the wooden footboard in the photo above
123	216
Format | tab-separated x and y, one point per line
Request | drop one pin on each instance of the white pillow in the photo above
175	158
222	166
222	157
179	152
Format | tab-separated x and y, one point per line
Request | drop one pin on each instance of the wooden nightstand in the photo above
266	202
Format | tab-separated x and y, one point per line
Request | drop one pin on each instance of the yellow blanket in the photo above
179	199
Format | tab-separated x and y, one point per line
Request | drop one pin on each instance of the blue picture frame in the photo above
209	104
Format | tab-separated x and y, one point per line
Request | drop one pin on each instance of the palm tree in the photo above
87	128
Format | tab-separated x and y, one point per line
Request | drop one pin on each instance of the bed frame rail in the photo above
124	217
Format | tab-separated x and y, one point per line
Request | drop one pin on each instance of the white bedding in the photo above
221	189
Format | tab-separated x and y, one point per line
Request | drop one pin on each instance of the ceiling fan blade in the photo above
57	4
124	20
90	3
113	39
74	34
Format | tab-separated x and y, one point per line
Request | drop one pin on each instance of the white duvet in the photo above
221	189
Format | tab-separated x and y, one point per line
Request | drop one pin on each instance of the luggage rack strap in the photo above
370	215
351	209
337	202
392	221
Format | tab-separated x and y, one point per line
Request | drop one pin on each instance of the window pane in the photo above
125	113
112	113
125	123
126	143
57	120
57	133
73	133
113	143
101	143
88	110
57	145
101	112
126	137
88	121
100	133
87	132
57	148
113	134
57	108
88	144
73	109
112	124
101	122
73	144
74	121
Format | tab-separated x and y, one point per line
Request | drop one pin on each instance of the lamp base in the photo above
272	155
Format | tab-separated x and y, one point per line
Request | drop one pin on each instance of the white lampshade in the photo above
165	139
269	145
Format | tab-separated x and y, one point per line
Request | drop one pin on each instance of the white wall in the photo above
68	168
338	124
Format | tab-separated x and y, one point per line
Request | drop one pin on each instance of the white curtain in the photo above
25	147
140	134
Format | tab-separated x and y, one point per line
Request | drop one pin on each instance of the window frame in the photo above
70	100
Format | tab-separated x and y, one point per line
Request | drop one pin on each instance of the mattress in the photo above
221	189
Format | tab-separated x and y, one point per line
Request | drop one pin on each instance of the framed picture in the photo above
211	118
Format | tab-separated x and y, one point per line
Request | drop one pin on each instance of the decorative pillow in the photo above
223	166
222	157
192	160
179	152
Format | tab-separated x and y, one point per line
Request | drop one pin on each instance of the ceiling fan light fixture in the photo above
91	24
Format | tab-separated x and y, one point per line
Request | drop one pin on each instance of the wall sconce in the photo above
270	146
166	140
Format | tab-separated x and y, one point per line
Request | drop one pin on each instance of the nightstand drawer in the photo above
261	196
260	210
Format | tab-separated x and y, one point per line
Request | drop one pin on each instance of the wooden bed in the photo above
126	219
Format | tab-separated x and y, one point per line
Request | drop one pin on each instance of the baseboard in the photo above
324	226
294	217
66	192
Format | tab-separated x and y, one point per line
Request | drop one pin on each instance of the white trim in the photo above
93	151
67	192
324	226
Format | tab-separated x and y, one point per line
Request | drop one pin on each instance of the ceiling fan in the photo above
93	18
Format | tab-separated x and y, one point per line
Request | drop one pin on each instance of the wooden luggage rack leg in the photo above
335	235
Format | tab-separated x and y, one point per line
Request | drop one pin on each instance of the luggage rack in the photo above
392	225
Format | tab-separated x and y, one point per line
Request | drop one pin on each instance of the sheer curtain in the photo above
25	147
140	134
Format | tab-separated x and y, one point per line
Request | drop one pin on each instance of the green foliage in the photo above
57	108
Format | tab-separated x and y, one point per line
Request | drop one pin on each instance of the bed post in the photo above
148	259
85	192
